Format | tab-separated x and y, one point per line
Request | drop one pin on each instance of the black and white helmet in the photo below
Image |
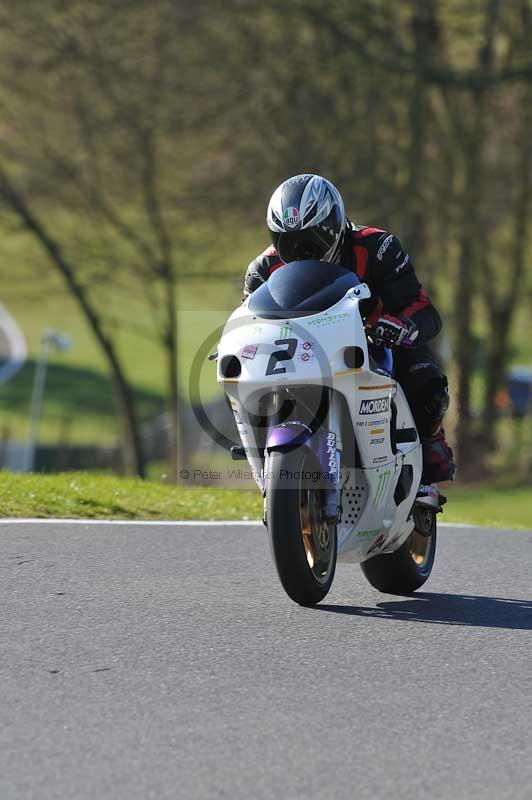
306	219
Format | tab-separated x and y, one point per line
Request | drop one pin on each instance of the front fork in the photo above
325	443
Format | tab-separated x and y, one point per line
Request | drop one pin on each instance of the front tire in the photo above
405	570
303	543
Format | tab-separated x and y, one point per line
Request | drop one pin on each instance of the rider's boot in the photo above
438	466
428	495
438	461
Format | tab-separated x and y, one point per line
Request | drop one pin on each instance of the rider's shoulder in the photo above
366	231
381	244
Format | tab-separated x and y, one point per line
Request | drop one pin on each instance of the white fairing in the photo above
371	521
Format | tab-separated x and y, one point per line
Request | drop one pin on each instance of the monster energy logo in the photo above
382	485
286	331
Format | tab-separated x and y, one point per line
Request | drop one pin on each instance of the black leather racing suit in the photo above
379	260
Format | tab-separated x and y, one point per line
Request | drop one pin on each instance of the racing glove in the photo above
388	331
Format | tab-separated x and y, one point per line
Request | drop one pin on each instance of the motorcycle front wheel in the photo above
407	569
303	542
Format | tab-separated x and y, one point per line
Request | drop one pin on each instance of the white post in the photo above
50	340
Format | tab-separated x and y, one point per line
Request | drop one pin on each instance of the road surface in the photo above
164	661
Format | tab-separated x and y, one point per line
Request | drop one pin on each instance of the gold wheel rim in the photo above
316	534
419	547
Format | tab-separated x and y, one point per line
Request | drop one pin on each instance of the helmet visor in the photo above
302	245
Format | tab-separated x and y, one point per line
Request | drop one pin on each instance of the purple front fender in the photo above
293	434
323	445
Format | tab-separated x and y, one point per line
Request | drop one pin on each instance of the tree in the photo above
118	89
504	288
134	460
133	122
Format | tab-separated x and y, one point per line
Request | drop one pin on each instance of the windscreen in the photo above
300	289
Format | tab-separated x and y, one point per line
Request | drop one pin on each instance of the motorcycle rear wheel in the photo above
303	543
407	569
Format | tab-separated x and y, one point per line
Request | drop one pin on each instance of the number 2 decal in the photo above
281	355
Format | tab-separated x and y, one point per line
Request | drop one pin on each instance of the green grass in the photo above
490	506
79	406
79	402
95	496
79	397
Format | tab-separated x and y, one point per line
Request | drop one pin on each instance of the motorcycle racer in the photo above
306	220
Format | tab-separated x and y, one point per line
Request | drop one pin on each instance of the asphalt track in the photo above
144	661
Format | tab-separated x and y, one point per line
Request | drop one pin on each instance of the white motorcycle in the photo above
328	434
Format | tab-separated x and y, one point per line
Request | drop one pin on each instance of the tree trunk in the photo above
472	233
425	33
134	457
176	454
503	317
466	285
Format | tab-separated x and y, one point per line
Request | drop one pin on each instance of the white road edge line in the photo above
198	523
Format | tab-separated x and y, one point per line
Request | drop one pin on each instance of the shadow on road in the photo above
448	609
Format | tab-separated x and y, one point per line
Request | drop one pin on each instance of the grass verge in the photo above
490	505
87	495
91	496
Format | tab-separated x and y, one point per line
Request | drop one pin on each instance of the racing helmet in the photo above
306	219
